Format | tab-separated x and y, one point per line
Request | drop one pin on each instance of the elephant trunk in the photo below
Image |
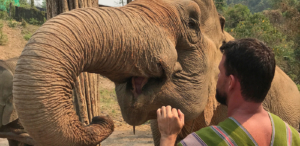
97	40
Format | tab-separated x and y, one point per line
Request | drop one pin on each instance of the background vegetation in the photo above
276	22
28	14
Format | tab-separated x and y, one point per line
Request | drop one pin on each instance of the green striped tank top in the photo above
231	133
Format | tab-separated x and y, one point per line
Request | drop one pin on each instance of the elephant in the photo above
157	52
12	129
10	126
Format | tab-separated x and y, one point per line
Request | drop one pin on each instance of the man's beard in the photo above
221	98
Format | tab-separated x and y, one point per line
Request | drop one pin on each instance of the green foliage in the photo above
291	28
298	85
277	3
3	37
3	15
11	24
27	36
253	5
9	7
22	2
24	23
34	21
257	25
25	5
235	14
220	5
31	15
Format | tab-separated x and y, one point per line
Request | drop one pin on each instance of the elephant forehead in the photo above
6	83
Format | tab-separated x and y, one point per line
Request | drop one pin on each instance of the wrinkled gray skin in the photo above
10	127
159	52
148	39
6	77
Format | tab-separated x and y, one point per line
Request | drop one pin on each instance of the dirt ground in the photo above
123	134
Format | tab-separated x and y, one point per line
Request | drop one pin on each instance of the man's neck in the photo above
240	107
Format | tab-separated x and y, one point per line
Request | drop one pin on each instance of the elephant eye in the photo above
192	24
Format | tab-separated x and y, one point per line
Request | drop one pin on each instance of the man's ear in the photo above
222	22
232	82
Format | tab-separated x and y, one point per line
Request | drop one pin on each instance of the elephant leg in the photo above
155	132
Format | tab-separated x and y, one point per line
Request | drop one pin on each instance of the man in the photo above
246	71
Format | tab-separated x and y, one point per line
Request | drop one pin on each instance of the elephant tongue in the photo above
137	84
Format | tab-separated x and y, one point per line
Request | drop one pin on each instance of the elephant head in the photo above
157	52
198	35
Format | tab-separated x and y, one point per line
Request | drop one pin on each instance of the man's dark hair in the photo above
253	63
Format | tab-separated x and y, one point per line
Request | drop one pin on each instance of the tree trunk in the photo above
55	7
10	6
32	3
128	1
85	92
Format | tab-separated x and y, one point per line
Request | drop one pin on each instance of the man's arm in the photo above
170	122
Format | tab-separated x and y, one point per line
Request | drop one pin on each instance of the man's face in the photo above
221	94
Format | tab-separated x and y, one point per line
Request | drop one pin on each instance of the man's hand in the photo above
170	122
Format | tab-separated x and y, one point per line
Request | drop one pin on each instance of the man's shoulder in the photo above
203	137
227	132
283	132
278	121
215	134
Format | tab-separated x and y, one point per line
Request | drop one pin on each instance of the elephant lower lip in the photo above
136	118
138	84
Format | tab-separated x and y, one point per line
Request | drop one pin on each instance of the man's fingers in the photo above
158	112
181	116
163	111
174	112
168	111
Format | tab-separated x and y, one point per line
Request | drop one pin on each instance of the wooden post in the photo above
10	7
32	3
128	1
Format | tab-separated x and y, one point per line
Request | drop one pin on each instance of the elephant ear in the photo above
222	22
7	112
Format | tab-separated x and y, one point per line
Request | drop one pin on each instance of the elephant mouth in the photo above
142	91
138	85
139	92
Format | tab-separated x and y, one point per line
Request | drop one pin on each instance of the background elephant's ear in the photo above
6	104
222	22
9	113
